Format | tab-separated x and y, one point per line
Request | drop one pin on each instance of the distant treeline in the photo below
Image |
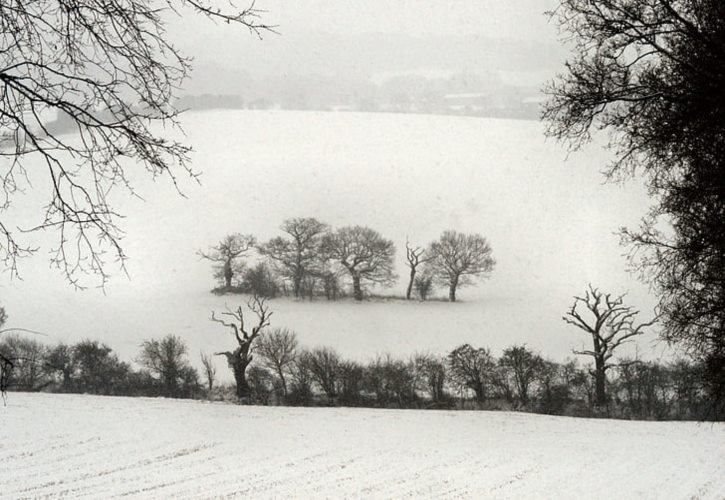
285	374
466	94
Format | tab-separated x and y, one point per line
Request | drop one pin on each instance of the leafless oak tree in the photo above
472	368
457	257
278	350
109	71
610	324
240	358
523	365
226	255
297	257
364	253
166	358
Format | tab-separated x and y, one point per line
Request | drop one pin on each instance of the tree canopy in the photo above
652	74
110	73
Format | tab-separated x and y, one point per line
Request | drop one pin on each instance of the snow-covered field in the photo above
102	447
549	219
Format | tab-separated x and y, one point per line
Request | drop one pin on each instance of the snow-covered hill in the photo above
550	220
104	447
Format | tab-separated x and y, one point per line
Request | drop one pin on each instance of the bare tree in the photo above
209	372
392	381
431	375
26	356
240	358
108	70
610	324
364	253
523	365
472	368
456	258
278	350
166	358
324	367
60	361
298	256
226	255
414	258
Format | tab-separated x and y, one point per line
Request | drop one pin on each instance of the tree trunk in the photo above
280	372
480	391
297	284
240	377
228	274
452	289
600	378
410	284
356	289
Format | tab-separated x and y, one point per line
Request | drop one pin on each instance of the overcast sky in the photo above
372	36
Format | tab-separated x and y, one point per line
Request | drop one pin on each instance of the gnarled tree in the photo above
364	253
240	358
610	324
414	257
456	258
109	72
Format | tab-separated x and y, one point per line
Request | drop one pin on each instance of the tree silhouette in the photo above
110	73
240	357
610	324
457	257
363	253
226	256
650	74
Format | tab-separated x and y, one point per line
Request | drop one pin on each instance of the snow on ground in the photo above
549	219
102	447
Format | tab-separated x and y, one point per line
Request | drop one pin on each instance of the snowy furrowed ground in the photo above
102	447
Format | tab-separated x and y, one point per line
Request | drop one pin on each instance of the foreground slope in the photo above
103	447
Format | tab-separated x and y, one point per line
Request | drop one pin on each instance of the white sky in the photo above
514	20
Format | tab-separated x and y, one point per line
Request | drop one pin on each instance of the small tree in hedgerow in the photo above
457	258
610	324
363	253
240	358
472	369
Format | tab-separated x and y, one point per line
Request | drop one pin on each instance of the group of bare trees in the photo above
285	373
91	367
312	259
270	367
